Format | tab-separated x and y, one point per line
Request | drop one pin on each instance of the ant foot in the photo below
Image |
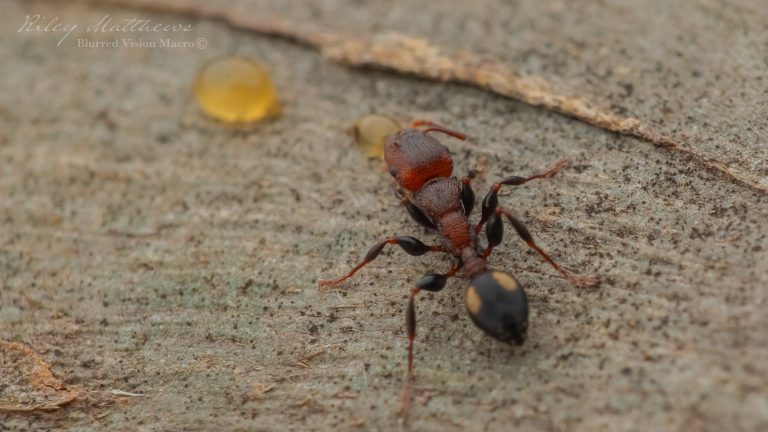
583	281
330	283
562	163
405	403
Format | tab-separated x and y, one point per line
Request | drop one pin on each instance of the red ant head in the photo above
414	158
497	304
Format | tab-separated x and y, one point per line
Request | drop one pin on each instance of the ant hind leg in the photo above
522	231
432	282
494	233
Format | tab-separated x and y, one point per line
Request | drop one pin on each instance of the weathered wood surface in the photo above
146	249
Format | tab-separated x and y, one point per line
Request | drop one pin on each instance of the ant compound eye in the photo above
498	305
393	171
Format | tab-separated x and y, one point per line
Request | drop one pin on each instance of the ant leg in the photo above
467	194
410	245
494	231
491	200
437	128
433	282
417	213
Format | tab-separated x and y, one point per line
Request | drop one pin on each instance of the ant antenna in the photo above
432	127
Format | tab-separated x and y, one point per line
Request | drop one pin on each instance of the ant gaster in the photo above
495	300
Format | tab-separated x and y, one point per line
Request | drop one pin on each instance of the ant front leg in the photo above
491	200
432	282
494	231
410	245
416	213
467	194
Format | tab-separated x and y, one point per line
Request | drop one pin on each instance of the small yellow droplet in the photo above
237	90
371	130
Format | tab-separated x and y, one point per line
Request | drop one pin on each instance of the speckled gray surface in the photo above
692	70
210	308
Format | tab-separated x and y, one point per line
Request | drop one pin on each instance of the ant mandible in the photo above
495	300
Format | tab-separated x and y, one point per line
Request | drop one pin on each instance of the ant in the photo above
495	300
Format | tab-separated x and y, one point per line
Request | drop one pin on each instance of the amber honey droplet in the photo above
236	90
370	132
